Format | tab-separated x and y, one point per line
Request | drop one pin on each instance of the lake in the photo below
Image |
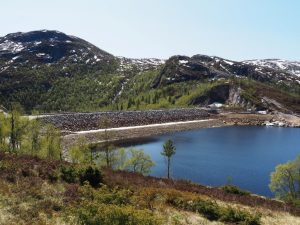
243	156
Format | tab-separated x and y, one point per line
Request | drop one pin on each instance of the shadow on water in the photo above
126	143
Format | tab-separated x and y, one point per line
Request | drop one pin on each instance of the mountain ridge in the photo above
51	71
13	42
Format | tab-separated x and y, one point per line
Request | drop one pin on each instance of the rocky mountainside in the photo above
51	71
38	48
199	67
128	64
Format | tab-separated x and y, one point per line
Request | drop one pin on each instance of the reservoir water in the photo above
243	156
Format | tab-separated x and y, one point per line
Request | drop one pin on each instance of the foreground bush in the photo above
69	174
95	214
91	175
88	174
234	190
111	206
212	211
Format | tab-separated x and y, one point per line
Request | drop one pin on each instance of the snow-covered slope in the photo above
140	64
183	68
292	67
53	48
38	48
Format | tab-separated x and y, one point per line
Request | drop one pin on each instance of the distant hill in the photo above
50	71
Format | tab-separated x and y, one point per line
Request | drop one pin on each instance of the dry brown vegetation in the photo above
127	179
36	191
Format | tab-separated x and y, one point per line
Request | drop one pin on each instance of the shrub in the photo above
86	174
53	176
69	174
230	215
208	209
92	175
94	214
105	195
234	190
212	211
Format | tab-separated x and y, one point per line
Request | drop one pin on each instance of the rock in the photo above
91	121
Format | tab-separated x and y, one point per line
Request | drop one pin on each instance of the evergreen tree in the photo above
168	151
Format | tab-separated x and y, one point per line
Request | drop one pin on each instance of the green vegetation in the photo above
38	187
285	181
139	162
234	190
77	88
214	212
112	206
19	135
254	91
43	189
106	147
169	151
50	88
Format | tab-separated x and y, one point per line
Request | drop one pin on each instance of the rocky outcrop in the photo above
235	99
228	94
218	93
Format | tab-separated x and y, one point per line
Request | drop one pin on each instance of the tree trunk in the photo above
299	184
107	156
169	167
291	184
12	134
91	156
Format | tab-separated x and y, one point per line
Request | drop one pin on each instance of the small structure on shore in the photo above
263	112
215	105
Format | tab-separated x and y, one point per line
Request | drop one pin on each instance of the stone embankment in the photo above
116	134
137	124
72	122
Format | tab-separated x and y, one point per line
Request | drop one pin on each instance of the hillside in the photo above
43	191
50	71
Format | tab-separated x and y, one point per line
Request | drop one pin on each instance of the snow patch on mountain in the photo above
139	64
292	67
10	46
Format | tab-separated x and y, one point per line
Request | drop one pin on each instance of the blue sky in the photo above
234	29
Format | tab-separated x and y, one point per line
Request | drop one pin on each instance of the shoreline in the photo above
93	136
144	131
